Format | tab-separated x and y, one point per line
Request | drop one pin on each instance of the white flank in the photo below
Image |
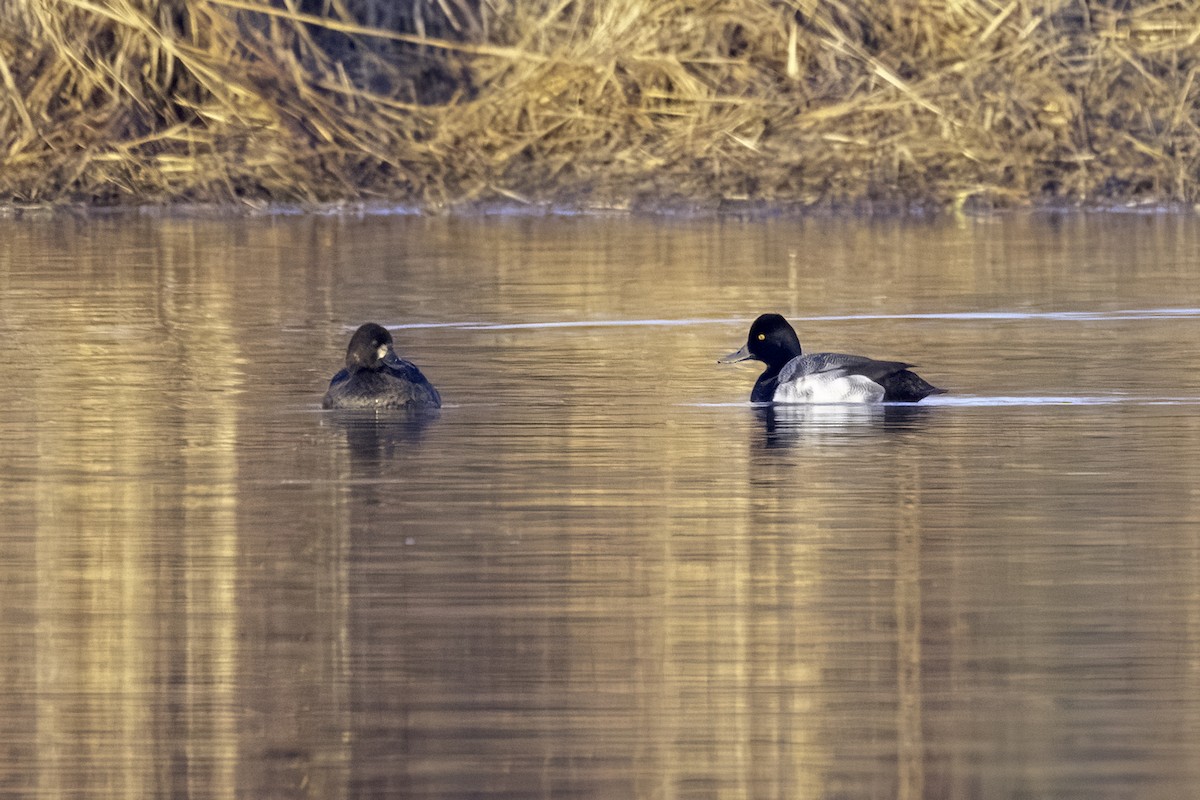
826	388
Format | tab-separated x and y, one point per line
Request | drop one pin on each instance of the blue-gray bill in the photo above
741	355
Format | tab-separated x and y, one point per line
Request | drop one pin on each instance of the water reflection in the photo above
373	438
787	425
597	573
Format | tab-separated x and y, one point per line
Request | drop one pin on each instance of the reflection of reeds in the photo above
599	103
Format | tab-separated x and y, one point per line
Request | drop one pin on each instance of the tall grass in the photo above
601	103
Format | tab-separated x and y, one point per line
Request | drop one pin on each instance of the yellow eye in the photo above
762	336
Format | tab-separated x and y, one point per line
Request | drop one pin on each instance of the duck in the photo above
375	377
793	377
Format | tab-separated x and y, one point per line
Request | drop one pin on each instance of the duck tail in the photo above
907	386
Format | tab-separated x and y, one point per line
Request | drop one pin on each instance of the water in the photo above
599	573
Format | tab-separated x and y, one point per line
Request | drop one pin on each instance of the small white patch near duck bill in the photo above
829	388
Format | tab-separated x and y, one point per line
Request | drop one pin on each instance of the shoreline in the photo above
666	212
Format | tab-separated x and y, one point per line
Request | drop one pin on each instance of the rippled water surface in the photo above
599	572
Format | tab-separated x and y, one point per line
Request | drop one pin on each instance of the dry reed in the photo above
609	103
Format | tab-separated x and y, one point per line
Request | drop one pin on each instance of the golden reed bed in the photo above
443	103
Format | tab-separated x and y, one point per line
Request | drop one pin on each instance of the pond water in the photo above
599	572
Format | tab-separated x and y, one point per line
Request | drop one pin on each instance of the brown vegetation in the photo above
601	103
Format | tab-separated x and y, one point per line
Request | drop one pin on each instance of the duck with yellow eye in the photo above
375	377
792	377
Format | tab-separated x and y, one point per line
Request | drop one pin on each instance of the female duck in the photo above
375	377
791	377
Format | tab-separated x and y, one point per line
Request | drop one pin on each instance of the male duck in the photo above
375	377
791	377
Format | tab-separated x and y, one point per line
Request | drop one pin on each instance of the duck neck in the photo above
764	387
